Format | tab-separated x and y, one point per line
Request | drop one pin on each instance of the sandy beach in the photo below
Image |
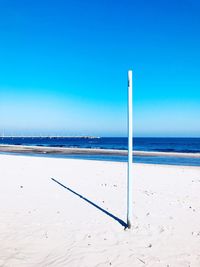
67	212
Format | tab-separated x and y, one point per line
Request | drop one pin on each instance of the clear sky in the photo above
63	67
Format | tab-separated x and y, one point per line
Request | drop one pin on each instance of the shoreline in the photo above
97	160
90	151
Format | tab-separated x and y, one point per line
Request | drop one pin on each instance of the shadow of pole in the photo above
93	204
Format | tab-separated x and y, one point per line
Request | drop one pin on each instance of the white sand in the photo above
44	224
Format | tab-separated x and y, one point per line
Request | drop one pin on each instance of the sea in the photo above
148	144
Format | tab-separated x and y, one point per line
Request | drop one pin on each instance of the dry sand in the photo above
45	224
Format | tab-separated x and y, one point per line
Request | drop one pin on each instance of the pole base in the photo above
128	224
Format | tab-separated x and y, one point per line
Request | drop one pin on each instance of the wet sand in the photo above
87	151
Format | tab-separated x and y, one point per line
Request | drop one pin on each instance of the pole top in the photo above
130	74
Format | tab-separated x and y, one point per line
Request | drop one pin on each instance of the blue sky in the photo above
63	67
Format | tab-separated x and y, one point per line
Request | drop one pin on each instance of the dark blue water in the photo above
186	145
76	142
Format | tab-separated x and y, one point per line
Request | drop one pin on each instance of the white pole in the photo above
130	149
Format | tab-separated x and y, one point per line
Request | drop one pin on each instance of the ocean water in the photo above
168	145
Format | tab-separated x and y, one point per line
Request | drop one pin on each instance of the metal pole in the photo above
130	149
